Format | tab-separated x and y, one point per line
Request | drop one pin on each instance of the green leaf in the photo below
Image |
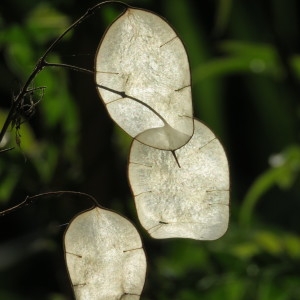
44	22
222	16
291	245
285	170
241	57
20	54
269	241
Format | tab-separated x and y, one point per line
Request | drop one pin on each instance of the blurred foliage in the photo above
245	63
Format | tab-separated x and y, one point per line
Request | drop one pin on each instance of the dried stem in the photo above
7	149
31	199
41	64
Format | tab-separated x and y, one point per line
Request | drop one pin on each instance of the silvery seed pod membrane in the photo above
104	256
143	77
186	197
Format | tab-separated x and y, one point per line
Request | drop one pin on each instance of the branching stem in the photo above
7	149
71	67
41	64
31	199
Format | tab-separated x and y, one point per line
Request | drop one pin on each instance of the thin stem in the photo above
73	68
124	95
41	63
7	149
31	199
36	89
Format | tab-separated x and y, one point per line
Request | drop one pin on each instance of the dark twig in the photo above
7	149
41	64
73	68
31	199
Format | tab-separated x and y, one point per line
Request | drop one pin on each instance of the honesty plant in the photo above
104	256
177	170
143	77
187	201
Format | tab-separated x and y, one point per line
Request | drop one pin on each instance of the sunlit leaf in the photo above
241	57
183	197
269	241
19	51
292	245
245	250
143	77
104	256
44	22
284	171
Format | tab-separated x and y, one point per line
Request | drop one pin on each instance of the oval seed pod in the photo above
143	77
184	194
104	256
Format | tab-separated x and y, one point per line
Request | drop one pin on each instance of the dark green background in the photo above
245	64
